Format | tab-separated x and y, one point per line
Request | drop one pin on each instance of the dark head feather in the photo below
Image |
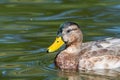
65	25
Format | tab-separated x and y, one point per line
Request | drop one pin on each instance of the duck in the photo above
79	55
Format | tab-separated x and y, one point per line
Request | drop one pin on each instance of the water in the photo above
28	27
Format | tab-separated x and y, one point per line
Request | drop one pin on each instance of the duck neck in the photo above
74	48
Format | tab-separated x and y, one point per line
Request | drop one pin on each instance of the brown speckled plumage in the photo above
101	54
67	61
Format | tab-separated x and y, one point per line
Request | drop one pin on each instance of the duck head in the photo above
69	33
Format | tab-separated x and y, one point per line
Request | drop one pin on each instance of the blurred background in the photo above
27	27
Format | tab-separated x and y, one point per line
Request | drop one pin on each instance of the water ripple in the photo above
62	15
11	38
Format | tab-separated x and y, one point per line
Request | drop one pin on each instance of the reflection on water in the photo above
28	27
90	75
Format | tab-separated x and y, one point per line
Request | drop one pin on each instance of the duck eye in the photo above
68	31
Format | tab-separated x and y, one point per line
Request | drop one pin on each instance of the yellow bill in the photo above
56	45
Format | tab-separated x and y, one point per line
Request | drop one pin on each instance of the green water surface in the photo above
28	27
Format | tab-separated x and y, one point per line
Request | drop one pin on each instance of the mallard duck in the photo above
101	54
